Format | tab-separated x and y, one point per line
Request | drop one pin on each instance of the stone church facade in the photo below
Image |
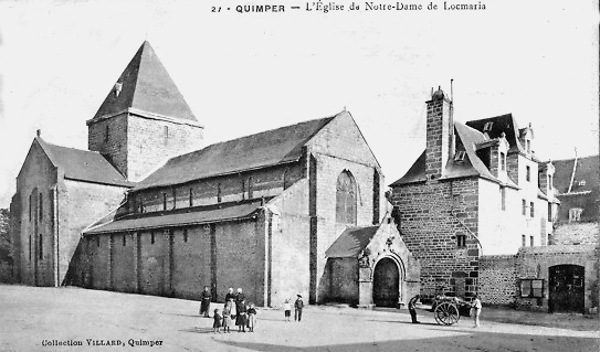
298	209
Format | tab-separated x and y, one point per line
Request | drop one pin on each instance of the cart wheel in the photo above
446	313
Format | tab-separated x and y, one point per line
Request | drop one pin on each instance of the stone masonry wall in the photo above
582	233
497	279
179	262
433	214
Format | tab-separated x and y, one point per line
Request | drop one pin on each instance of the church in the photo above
149	209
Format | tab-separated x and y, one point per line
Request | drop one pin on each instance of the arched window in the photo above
345	199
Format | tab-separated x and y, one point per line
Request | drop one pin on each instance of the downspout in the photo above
469	230
574	171
55	233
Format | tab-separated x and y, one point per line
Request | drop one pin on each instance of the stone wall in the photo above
497	279
433	215
136	145
582	233
179	262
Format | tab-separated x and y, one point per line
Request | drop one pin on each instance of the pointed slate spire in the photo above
146	87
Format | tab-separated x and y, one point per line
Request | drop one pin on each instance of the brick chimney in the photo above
440	135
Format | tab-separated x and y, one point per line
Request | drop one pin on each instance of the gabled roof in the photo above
191	216
471	165
146	87
351	242
83	165
269	148
503	123
587	170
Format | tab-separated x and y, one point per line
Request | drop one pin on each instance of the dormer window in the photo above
488	126
460	155
581	183
575	214
528	173
118	88
528	145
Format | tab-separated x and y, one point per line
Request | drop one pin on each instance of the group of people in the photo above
475	309
236	310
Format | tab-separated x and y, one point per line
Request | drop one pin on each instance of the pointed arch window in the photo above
345	199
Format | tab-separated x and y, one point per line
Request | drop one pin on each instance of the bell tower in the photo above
144	119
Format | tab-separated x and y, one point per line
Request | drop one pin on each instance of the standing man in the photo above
205	298
412	309
229	295
476	306
298	305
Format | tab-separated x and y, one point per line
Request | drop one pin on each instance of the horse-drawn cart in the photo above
447	310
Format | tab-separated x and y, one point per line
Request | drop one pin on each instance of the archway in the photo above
386	283
566	288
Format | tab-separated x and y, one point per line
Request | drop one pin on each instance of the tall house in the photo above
144	119
474	191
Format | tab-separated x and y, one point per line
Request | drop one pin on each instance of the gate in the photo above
566	288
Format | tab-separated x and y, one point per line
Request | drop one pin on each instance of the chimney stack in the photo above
440	134
38	133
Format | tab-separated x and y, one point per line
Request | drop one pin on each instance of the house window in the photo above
523	206
97	241
30	247
185	235
164	201
550	182
243	189
531	209
345	198
250	185
502	161
30	205
460	155
166	134
503	198
41	247
549	211
152	237
41	207
461	241
488	126
531	241
124	240
523	241
219	193
528	145
532	288
528	173
575	214
191	198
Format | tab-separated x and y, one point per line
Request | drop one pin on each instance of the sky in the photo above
243	73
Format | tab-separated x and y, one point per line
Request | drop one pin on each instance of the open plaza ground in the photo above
74	319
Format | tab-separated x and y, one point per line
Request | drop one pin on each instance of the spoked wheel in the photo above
446	313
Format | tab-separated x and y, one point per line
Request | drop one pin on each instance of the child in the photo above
251	317
298	305
476	307
217	322
227	316
240	318
287	307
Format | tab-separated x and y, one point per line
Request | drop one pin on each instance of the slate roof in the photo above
259	150
470	166
351	242
83	165
147	87
587	170
503	123
192	216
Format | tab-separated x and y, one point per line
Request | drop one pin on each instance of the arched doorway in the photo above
386	283
566	288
